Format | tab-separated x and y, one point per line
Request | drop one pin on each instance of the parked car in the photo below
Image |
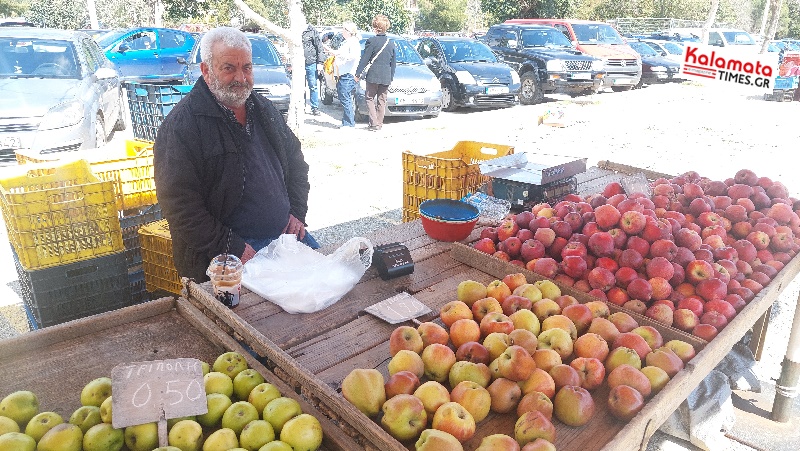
470	74
270	78
731	38
545	60
415	90
96	34
655	68
58	92
674	37
622	64
668	49
147	54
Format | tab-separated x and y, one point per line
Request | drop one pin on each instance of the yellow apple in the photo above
433	395
20	406
302	432
470	291
526	319
96	391
85	417
186	435
364	388
17	441
407	360
107	410
8	425
238	415
276	445
142	437
404	417
262	394
230	363
281	410
436	440
549	289
216	382
256	434
65	437
41	423
104	437
217	405
246	381
221	440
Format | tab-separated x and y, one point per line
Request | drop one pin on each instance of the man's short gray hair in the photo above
231	37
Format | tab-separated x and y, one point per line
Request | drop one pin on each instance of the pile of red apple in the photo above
692	255
519	349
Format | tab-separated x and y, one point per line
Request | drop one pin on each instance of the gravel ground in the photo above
356	176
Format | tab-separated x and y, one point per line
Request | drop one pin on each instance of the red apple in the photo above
573	406
473	351
705	331
624	402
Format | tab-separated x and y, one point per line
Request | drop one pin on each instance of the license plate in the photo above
497	90
409	100
622	81
10	142
582	76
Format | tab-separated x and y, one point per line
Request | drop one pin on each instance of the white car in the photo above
668	49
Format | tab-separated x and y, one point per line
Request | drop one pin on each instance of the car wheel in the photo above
621	88
448	104
327	97
120	124
530	91
99	131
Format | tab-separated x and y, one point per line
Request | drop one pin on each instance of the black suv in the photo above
545	60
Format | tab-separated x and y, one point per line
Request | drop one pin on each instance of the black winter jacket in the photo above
312	47
382	70
199	176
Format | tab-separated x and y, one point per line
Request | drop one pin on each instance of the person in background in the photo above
315	57
230	173
347	56
379	55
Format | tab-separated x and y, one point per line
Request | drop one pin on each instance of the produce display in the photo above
513	348
691	255
244	413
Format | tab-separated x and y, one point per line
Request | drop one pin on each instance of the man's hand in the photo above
295	227
249	253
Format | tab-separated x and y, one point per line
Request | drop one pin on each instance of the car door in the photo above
135	54
171	44
431	53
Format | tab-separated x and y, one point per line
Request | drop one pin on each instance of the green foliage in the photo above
65	14
13	8
497	11
130	13
793	29
326	12
442	15
365	10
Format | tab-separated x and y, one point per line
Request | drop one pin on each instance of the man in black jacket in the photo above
315	57
229	172
378	61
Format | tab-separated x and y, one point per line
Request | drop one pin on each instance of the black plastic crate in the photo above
130	225
150	104
523	195
139	292
76	290
32	324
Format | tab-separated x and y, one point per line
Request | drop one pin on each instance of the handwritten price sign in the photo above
146	392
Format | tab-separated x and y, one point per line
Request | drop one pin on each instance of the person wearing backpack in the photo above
377	67
315	57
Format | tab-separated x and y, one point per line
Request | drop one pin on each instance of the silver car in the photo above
415	90
58	92
270	78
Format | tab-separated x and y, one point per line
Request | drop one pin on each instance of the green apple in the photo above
262	394
41	423
221	440
256	434
217	405
8	425
103	437
276	445
206	367
216	382
142	437
85	417
96	391
62	437
20	406
230	363
186	435
245	382
106	411
172	421
167	448
17	441
303	432
281	410
238	415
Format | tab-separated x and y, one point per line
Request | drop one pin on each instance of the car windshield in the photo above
109	38
596	34
465	51
673	48
738	38
37	58
772	47
643	49
264	54
544	37
403	51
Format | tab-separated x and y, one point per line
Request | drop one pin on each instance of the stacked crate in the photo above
157	261
451	174
65	235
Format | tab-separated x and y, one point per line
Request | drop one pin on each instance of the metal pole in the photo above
786	387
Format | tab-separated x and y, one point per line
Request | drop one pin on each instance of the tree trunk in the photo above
90	6
773	23
293	38
712	17
764	17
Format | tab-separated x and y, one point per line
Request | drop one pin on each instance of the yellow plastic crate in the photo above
157	261
451	174
59	214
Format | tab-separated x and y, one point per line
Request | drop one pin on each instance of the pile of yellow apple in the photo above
512	347
254	422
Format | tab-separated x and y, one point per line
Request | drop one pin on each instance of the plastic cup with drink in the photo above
225	272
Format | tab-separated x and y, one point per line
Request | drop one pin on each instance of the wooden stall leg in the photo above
760	334
786	388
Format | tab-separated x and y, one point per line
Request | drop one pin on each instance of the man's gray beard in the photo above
225	94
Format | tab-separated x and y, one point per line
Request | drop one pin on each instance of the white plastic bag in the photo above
302	280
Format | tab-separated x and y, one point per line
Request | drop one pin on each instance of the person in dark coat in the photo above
315	57
380	51
229	173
